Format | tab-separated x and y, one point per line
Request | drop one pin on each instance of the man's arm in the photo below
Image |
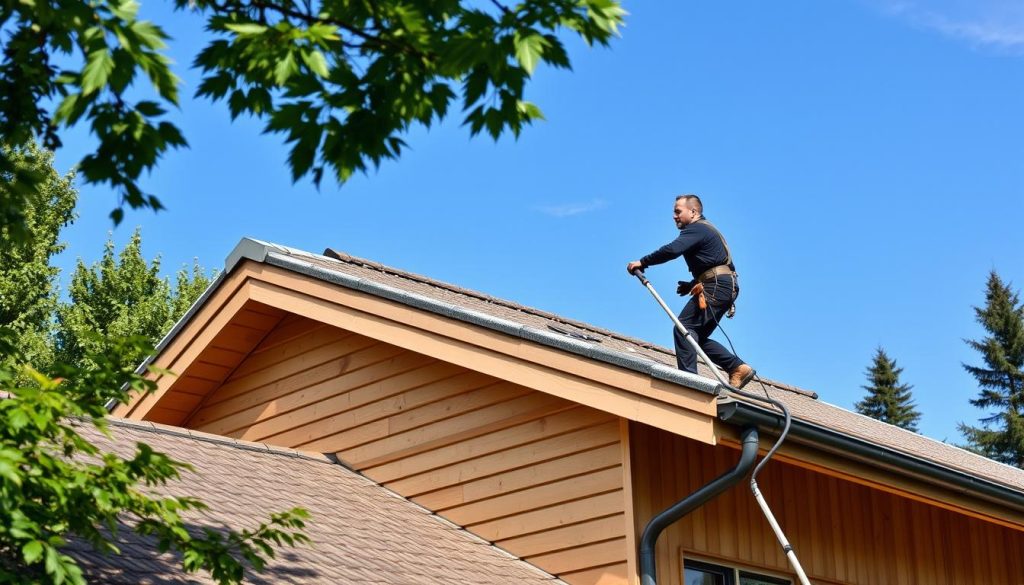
672	250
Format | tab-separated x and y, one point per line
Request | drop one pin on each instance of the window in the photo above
698	573
747	578
701	573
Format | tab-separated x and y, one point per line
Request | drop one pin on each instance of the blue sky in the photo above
863	158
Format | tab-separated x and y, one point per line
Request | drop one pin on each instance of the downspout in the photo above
711	490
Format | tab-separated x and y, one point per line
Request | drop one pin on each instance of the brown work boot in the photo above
741	375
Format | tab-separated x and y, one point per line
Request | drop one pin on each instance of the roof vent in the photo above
573	334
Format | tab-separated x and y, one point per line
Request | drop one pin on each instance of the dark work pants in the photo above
720	294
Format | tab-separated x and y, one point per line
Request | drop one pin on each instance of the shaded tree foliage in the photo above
343	82
55	484
1001	378
887	399
28	293
119	296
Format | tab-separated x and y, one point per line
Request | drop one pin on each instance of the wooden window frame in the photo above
731	573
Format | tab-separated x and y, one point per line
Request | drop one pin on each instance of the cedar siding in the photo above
540	476
843	532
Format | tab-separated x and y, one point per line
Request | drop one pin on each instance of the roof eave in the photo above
741	413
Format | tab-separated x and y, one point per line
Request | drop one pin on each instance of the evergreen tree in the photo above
122	295
1001	434
28	292
887	399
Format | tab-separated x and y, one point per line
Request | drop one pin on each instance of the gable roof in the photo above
882	446
361	532
604	345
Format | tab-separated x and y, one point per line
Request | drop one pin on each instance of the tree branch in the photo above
504	9
353	30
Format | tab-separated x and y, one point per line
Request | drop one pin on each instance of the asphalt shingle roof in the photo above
360	531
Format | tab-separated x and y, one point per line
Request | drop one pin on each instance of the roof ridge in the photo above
415	277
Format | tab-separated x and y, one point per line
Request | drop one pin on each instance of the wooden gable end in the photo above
274	292
538	475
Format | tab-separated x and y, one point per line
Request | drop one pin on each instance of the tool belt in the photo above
697	289
713	272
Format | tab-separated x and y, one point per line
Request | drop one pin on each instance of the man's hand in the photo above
634	266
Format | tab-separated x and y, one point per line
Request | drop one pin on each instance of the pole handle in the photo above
639	273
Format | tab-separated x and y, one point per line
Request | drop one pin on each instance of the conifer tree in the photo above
887	399
1001	379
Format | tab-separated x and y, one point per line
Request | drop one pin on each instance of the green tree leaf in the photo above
32	551
97	69
316	62
529	49
247	28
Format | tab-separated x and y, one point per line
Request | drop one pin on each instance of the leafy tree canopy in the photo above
341	81
54	484
1001	378
28	296
119	296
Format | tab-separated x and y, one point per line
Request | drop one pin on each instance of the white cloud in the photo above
989	23
570	209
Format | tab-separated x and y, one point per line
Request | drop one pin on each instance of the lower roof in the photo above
360	531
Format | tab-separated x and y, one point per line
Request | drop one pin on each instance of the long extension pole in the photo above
779	535
681	329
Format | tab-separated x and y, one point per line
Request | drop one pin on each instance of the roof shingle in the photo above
360	531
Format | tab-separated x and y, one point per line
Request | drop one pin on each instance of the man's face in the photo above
682	214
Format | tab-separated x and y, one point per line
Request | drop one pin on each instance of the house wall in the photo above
843	532
537	475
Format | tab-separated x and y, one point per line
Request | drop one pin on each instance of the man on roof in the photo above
712	291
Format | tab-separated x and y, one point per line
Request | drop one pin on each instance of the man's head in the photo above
687	210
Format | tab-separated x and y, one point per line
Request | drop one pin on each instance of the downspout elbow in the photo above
706	493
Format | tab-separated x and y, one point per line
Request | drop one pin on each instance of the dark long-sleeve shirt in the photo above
698	243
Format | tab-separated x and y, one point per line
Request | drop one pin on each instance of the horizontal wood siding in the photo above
538	475
844	533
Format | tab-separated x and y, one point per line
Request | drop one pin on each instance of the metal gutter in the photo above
286	258
704	494
743	413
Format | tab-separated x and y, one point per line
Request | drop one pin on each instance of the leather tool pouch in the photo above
698	292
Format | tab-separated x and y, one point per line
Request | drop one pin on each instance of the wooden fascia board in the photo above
609	388
835	465
188	344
